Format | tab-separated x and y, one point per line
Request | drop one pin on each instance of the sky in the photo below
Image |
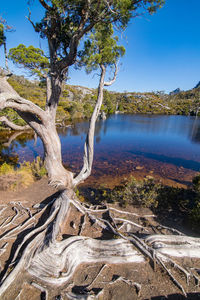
162	50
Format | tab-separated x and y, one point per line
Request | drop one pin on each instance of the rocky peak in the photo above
176	91
197	86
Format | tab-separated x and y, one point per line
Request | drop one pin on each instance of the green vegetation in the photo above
2	35
78	102
165	201
101	48
186	103
137	193
195	211
30	58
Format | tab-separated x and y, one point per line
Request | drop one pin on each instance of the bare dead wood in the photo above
3	248
41	288
89	142
13	126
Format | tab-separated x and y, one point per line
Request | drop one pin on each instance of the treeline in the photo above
78	102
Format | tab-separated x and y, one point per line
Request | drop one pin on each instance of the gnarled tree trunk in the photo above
43	123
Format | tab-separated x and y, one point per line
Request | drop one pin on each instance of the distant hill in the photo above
78	102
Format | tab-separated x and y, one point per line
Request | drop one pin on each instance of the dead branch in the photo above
108	83
8	100
13	126
89	142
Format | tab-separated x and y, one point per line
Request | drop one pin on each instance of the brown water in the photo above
164	147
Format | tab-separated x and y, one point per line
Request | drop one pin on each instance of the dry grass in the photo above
26	174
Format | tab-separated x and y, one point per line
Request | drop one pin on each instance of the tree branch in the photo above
114	77
29	19
13	126
109	7
89	142
45	5
8	100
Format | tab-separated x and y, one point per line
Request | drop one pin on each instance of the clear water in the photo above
124	141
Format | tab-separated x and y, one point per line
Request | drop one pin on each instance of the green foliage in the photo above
101	48
30	58
37	168
194	215
64	19
165	201
109	100
137	193
150	103
28	90
196	184
2	34
88	109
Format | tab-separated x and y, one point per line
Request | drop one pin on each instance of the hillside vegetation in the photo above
78	102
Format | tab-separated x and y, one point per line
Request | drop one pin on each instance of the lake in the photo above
164	147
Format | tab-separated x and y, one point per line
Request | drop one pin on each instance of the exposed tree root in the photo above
41	288
53	260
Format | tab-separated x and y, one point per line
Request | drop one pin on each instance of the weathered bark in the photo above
48	90
5	87
13	126
43	123
58	175
89	143
6	56
52	259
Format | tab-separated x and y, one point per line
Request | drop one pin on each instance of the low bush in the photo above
165	201
24	175
6	169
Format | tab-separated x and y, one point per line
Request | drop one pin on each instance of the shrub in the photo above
140	193
23	176
194	217
196	184
38	168
6	169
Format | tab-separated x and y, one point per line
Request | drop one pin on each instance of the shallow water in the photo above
164	147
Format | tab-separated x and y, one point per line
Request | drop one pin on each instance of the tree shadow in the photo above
171	205
190	296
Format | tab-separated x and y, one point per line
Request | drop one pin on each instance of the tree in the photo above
43	252
30	58
100	51
34	60
4	27
3	40
64	25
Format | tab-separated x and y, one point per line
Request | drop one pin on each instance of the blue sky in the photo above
162	51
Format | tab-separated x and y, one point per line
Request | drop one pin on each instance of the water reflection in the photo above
142	139
195	135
